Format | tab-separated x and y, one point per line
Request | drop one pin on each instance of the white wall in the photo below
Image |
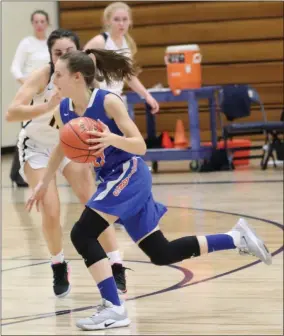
15	26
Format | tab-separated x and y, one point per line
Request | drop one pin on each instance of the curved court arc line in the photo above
188	275
181	284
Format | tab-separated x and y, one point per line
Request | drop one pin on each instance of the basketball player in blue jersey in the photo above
124	192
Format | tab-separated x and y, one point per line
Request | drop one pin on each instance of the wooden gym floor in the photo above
220	294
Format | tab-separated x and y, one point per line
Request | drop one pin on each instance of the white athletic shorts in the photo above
36	155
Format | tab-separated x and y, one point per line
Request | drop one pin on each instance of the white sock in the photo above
119	309
114	257
58	258
236	237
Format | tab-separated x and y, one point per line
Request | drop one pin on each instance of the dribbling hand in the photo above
102	140
37	195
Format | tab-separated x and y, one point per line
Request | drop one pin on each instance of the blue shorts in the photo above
127	193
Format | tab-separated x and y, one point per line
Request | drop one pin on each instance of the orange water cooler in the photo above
183	67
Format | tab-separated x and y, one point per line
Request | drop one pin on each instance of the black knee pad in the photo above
154	246
84	236
162	252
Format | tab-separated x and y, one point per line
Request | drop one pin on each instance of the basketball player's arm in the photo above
20	108
19	61
132	142
135	84
96	42
54	161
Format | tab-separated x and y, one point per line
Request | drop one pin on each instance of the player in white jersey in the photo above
31	54
32	105
117	19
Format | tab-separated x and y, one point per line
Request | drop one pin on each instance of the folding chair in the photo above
274	142
271	130
242	129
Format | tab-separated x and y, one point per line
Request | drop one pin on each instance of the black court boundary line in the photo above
188	275
184	182
183	283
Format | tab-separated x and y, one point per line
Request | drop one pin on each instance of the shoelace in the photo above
120	276
244	250
60	274
100	308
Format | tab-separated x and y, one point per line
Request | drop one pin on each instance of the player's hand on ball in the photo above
37	195
102	140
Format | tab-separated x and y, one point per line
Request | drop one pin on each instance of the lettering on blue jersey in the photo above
125	181
99	161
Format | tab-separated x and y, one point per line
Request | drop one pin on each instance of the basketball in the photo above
73	139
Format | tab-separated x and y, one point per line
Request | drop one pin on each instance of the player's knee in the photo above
78	237
159	260
161	256
89	226
156	246
50	217
89	248
50	209
84	236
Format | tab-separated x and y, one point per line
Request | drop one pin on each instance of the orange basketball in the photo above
74	136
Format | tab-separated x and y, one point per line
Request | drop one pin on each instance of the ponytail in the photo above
111	66
99	65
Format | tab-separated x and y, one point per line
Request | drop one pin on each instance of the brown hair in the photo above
110	66
107	14
57	35
41	12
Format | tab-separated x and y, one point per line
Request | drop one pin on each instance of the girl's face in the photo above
61	47
66	82
39	23
119	22
63	79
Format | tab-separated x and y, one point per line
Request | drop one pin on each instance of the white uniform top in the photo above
31	54
115	86
42	130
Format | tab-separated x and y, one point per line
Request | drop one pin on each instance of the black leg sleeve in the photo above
162	252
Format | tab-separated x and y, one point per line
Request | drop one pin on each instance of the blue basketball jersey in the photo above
112	156
125	188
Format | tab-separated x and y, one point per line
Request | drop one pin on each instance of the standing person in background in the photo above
31	54
117	19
